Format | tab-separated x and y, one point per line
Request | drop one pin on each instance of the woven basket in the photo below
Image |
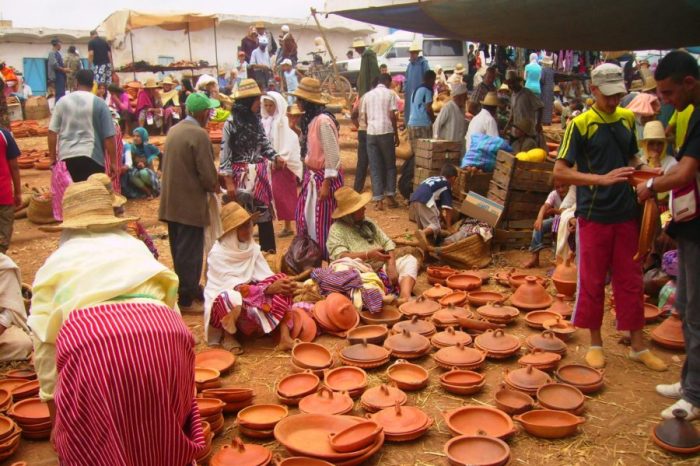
40	210
472	252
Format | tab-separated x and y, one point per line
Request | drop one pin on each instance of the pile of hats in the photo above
32	416
234	398
10	434
336	314
211	410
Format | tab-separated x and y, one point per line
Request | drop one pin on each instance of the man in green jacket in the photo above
369	68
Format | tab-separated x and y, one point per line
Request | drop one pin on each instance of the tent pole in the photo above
131	36
325	40
216	51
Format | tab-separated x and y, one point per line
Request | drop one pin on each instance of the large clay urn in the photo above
565	277
531	296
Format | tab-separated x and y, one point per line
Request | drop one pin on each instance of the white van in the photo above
393	52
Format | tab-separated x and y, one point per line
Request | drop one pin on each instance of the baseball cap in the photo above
286	61
609	79
196	102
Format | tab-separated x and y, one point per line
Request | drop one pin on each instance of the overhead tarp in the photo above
120	22
539	24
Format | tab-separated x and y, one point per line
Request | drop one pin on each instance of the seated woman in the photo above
139	177
107	329
15	342
354	236
242	292
149	109
170	99
119	102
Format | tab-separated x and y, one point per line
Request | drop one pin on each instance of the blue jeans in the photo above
382	165
536	244
60	85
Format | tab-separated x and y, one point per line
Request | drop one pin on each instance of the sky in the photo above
88	14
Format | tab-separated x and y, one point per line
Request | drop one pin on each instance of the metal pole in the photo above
189	42
131	35
328	45
216	50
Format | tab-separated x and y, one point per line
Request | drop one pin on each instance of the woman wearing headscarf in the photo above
149	109
170	99
113	357
246	159
140	178
242	293
533	74
321	155
286	143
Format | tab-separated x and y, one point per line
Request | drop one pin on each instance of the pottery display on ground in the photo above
32	412
402	423
542	360
515	280
550	424
420	307
513	401
481	298
408	376
464	281
561	306
677	435
241	454
531	296
561	397
263	417
563	329
459	356
651	312
355	437
325	401
444	318
311	356
407	345
375	334
586	379
297	386
472	420
461	382
388	316
546	341
383	396
536	319
565	278
497	344
215	358
455	298
206	378
364	355
450	337
352	380
669	333
477	450
415	325
498	313
436	292
526	379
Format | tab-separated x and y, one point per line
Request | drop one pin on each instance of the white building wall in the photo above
13	53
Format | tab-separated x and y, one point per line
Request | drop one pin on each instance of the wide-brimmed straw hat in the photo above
309	89
87	205
117	199
653	131
547	60
415	47
504	88
358	43
349	201
151	84
233	216
636	85
490	100
649	84
459	68
168	80
294	110
247	88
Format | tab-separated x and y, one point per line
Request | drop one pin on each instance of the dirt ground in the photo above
619	418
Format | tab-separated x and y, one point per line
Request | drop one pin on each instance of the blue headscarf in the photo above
144	149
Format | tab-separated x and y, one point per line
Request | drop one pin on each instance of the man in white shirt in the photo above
485	121
378	109
450	124
260	64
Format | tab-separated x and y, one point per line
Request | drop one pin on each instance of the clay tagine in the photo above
383	396
444	318
563	329
436	292
325	401
497	344
669	333
341	311
450	337
459	356
677	435
407	345
464	281
415	325
402	423
527	379
542	360
565	277
515	280
546	341
531	296
421	307
363	353
497	313
560	306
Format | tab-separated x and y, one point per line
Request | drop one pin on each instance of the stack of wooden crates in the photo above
431	155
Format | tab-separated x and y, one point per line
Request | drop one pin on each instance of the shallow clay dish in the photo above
408	376
420	307
298	385
215	358
355	437
563	329
547	423
462	390
477	450
456	298
311	356
436	292
450	337
27	389
441	272
586	379
26	374
238	453
254	433
203	375
513	401
401	420
464	281
536	319
481	298
462	378
325	401
389	315
471	420
561	397
11	384
375	334
229	394
300	461
209	406
30	411
346	378
7	425
383	396
415	325
262	417
651	312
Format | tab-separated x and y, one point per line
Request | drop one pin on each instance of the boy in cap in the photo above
598	155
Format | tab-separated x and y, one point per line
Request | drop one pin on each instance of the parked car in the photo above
393	52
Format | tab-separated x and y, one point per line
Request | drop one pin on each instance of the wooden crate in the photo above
420	174
511	173
504	239
436	160
467	181
439	145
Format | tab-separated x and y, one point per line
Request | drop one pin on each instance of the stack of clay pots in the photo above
402	423
241	454
205	455
563	329
205	378
464	281
350	379
258	421
234	398
211	410
364	355
292	388
461	382
304	328
32	416
407	345
336	314
215	358
10	434
311	356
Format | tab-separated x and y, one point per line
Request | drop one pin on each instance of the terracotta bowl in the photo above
346	378
30	411
565	287
215	358
387	316
462	390
26	390
236	406
563	329
300	461
408	376
651	312
440	272
513	401
7	425
38	435
561	397
477	450
11	384
375	334
355	437
481	298
37	427
262	417
204	375
462	378
542	360
298	385
456	298
547	423
311	356
229	394
471	420
26	374
5	399
585	378
536	319
209	406
464	281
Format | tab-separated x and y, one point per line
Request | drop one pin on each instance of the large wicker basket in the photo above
40	210
471	252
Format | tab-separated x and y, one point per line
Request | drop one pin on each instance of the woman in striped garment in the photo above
321	155
115	360
242	292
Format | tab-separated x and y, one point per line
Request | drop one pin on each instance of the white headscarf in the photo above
284	140
533	57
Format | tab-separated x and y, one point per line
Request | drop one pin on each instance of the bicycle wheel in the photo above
339	87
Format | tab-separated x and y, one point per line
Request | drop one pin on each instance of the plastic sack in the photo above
303	254
482	152
667	295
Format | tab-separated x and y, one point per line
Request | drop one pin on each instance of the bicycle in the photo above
332	84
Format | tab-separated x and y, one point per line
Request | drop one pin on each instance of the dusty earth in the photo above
619	417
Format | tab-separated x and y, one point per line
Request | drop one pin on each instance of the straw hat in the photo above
259	25
222	73
415	47
649	84
294	110
87	205
247	88
491	100
504	88
167	80
233	216
349	201
134	85
309	89
654	131
636	85
459	68
151	84
357	43
557	88
117	199
547	61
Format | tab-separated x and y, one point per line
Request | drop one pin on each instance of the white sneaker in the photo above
693	412
672	390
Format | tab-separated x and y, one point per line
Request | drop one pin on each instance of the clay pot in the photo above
364	353
568	289
209	406
440	272
26	390
215	358
497	313
459	356
668	333
421	307
565	277
298	385
547	423
527	379
29	411
355	437
300	461
497	344
26	374
561	328
229	394
515	280
450	337
542	360
408	376
503	277
388	316
536	319
311	356
444	318
306	326
464	281
325	401
560	306
531	296
586	379
261	417
5	400
204	375
407	345
257	434
482	298
7	425
546	341
561	397
375	334
477	325
456	298
513	401
415	325
352	380
471	420
651	312
401	421
677	435
462	378
383	396
11	384
436	292
241	454
340	311
477	450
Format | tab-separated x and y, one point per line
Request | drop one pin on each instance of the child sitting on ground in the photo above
545	219
433	196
